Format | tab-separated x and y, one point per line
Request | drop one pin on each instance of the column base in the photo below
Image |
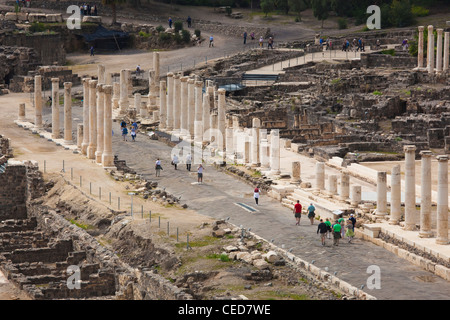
442	241
425	234
91	152
68	142
98	157
108	161
393	221
410	227
84	147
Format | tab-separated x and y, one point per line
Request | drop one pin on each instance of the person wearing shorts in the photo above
200	174
323	229
297	212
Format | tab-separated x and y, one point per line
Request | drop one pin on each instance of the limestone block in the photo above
271	256
244	256
261	264
54	17
37	17
92	19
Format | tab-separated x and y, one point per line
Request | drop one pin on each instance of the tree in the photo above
113	4
266	6
320	9
400	14
298	6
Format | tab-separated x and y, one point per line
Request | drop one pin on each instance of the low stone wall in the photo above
13	190
378	60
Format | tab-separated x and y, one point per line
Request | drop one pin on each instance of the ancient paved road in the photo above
219	193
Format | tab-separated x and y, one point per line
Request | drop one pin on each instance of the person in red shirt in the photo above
298	212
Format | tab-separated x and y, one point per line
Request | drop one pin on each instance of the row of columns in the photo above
411	214
332	188
439	63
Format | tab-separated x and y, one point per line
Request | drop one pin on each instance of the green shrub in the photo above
178	25
197	33
377	93
177	37
186	36
160	28
420	11
164	36
37	27
390	52
228	10
342	23
144	34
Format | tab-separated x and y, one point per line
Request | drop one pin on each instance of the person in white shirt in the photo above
200	174
158	167
175	161
188	162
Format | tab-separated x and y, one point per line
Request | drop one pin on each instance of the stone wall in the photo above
13	190
378	60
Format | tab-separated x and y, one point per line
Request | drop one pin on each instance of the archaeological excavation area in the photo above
364	134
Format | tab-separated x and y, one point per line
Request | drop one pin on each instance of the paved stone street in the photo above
218	196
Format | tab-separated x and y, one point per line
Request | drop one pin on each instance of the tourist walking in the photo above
298	212
353	220
133	134
189	21
322	228
211	41
270	43
350	233
188	162
245	37
170	22
336	233
261	42
175	161
92	51
252	36
342	223
311	213
200	174
158	167
256	194
124	133
328	223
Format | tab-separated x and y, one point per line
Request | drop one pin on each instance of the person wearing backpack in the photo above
323	229
311	213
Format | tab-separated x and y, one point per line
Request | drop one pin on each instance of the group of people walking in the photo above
356	45
260	41
133	131
341	228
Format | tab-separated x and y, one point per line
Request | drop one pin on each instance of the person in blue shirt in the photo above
311	213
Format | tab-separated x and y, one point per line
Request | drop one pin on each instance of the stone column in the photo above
442	201
410	187
38	102
430	52
296	172
396	195
198	124
86	137
264	153
332	184
439	50
116	95
355	196
68	112
170	93
420	48
206	111
162	105
100	122
221	114
176	103
381	194
275	151
101	74
137	102
92	119
425	197
184	106
229	145
345	185
320	176
79	135
107	155
191	107
446	51
21	111
123	100
156	69
55	108
256	125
